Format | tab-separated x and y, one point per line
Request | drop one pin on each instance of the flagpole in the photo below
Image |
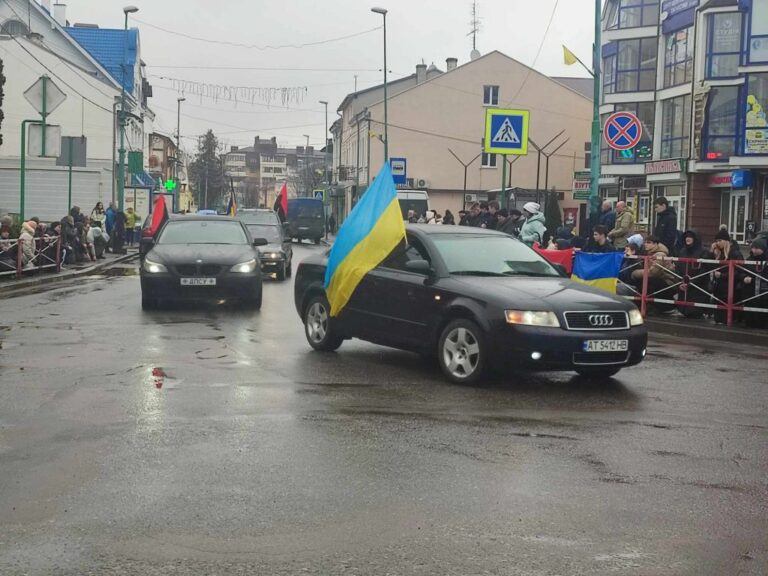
594	193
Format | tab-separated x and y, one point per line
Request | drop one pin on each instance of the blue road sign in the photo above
506	131
318	194
622	131
399	168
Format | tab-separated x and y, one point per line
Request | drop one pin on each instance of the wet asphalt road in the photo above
215	441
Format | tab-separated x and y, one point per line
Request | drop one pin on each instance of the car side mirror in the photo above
260	242
147	241
419	266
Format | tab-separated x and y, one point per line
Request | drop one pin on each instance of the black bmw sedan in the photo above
476	299
202	258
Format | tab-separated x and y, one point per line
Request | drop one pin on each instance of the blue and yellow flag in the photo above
598	270
373	229
232	206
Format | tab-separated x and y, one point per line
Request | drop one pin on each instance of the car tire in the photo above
289	271
317	325
590	373
461	352
282	272
148	303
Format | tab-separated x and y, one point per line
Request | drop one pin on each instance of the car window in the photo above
490	255
203	232
404	253
273	234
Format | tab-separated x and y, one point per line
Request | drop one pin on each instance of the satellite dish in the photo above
474	55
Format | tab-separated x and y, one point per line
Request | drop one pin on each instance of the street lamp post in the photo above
121	151
325	157
383	12
178	135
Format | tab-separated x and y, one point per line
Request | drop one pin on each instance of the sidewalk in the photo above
705	329
10	286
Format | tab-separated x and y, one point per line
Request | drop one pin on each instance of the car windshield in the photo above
271	233
258	218
203	232
481	255
309	210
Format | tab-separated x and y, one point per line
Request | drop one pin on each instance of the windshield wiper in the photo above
476	273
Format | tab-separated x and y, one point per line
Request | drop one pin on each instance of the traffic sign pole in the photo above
44	113
503	176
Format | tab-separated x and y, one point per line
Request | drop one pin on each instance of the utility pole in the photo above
121	152
594	193
383	12
178	136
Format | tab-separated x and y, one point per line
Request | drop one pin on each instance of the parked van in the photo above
306	219
416	200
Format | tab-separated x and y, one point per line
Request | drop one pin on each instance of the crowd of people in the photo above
83	237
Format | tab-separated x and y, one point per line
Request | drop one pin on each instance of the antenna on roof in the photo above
476	25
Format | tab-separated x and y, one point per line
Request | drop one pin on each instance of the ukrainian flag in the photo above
598	270
373	229
232	206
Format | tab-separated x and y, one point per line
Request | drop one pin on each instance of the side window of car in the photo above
404	253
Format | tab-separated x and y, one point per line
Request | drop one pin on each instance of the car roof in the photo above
436	230
205	218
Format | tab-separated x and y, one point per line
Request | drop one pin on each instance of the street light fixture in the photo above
178	135
383	12
121	162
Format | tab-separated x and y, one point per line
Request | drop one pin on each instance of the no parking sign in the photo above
622	131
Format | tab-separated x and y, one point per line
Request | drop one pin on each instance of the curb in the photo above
693	330
55	278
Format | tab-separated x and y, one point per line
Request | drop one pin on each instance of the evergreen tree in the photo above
552	213
207	172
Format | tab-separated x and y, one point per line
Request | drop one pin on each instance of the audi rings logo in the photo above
601	320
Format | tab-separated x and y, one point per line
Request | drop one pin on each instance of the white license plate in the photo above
606	345
198	281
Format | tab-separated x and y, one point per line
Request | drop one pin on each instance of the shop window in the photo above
721	126
756	119
678	58
724	45
758	40
609	74
631	13
634	67
676	127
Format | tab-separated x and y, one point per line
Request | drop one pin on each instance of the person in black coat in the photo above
449	219
599	243
118	234
756	284
694	285
723	248
666	224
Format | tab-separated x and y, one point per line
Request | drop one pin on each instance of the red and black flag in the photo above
159	214
281	204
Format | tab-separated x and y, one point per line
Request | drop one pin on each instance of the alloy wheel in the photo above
461	353
317	322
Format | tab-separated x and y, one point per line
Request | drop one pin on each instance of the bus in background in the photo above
306	219
416	200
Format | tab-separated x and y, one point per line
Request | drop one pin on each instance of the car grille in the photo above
198	270
597	320
600	358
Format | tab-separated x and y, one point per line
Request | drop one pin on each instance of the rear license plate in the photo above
606	345
198	281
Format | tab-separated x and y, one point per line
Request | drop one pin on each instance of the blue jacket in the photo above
110	220
608	219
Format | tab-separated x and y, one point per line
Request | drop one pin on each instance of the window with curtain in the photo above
721	126
678	58
635	69
676	127
724	45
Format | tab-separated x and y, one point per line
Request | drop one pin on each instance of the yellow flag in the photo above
569	57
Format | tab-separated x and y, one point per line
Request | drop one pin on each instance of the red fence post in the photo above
729	302
644	295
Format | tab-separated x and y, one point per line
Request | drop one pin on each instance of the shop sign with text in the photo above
665	167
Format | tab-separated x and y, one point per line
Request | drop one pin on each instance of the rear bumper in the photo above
558	349
168	287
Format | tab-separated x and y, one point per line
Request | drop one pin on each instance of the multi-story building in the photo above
164	161
436	120
696	74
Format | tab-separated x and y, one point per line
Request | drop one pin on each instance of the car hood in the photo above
271	248
557	294
223	254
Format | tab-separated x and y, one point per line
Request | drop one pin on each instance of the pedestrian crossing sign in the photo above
506	131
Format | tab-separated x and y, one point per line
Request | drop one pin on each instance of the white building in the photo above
35	40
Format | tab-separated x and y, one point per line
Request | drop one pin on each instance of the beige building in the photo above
439	119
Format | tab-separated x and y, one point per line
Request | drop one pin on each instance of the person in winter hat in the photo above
756	284
27	237
723	248
534	228
694	286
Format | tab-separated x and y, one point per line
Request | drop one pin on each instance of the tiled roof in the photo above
108	48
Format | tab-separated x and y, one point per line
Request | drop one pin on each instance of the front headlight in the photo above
635	318
244	268
532	318
272	255
153	267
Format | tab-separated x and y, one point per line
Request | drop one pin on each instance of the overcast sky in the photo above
429	30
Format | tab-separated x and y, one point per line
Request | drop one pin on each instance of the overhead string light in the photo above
237	94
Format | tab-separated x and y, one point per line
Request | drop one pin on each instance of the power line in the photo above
256	46
261	68
538	52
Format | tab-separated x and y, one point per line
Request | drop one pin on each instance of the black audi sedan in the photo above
202	258
476	299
